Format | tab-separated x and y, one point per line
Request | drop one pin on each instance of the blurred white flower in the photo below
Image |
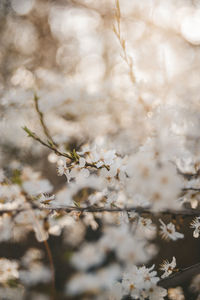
23	78
37	273
2	176
136	280
9	270
88	256
36	187
155	293
22	7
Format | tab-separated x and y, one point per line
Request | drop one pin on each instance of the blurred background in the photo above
67	53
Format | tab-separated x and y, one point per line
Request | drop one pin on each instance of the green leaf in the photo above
36	98
28	131
74	155
16	178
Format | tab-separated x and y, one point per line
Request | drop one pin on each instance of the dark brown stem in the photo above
136	209
191	189
49	254
139	210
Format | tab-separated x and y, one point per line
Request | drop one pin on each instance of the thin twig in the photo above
92	209
191	189
31	208
42	122
136	209
70	156
127	59
117	31
52	147
189	176
49	254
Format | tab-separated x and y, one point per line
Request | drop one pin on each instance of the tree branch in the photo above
180	277
53	147
92	209
50	145
41	117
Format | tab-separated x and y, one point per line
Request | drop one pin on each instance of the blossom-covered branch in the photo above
180	277
137	209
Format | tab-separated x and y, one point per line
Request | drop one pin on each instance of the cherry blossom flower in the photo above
155	293
196	225
100	157
167	267
9	270
62	169
168	231
45	199
136	280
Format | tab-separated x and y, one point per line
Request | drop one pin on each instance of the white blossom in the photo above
9	270
89	255
36	274
136	280
169	231
196	225
167	267
155	293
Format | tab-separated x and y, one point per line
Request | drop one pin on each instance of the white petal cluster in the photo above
168	232
9	270
167	267
196	225
140	283
34	271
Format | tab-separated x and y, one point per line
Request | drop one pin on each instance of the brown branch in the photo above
180	277
188	176
53	147
191	189
136	209
70	156
45	242
92	209
49	254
